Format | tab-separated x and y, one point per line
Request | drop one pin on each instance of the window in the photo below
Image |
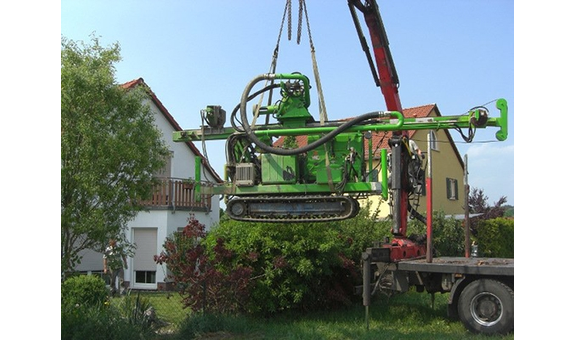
433	141
145	276
452	189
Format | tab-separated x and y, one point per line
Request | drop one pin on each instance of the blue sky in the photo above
456	54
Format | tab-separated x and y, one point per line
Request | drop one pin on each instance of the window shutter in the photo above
456	193
145	239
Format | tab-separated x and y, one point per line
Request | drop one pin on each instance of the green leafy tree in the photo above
290	142
110	149
509	211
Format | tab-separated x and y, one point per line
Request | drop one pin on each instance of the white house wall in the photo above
164	221
182	166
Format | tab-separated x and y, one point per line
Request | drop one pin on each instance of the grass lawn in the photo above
403	316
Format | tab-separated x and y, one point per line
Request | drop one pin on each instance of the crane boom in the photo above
384	70
386	78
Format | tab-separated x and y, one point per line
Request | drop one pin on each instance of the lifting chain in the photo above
301	11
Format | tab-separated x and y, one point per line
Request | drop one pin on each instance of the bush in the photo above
495	237
210	278
260	268
197	325
135	309
448	234
363	231
102	322
84	290
297	266
263	268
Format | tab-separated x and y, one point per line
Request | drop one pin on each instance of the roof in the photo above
140	81
380	139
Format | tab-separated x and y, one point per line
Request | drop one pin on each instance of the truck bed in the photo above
462	265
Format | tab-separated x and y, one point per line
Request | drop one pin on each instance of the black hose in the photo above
252	96
415	214
289	152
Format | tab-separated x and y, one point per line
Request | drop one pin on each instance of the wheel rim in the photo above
486	309
238	208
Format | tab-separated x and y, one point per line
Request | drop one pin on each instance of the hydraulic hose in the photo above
289	152
252	96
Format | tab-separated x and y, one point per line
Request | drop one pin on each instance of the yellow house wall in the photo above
445	164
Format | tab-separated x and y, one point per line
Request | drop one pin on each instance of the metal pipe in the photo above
384	184
429	193
198	178
366	257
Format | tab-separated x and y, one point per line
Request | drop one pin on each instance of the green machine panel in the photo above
278	169
335	173
337	150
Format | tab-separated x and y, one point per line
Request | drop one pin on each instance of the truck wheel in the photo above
486	306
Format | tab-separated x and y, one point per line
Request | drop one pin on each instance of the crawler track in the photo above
321	208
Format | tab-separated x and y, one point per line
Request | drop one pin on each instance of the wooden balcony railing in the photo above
177	194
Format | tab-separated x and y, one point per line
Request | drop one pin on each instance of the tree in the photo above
211	279
478	204
110	149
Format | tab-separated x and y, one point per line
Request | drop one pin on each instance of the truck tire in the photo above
486	306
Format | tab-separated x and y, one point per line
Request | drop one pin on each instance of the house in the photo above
447	166
168	210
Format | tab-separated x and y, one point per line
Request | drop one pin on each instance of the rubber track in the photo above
350	211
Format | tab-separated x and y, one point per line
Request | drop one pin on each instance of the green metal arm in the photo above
502	122
397	122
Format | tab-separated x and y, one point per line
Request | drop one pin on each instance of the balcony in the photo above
176	194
